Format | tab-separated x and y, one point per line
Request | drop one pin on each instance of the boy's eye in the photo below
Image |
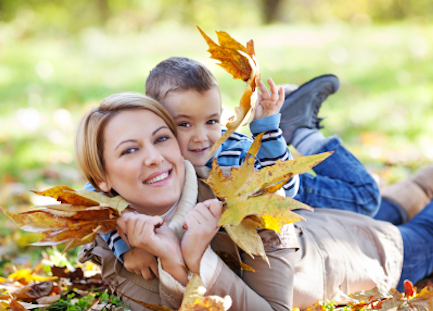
129	151
184	124
161	139
212	122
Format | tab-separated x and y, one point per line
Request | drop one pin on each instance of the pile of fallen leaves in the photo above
382	298
54	288
80	288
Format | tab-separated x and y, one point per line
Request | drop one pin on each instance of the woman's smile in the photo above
158	179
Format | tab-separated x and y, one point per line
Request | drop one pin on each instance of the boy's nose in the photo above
200	136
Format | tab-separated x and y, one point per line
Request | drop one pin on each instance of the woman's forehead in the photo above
131	121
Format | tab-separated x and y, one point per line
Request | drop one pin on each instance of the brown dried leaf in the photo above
15	305
242	64
233	262
68	196
30	293
63	272
69	223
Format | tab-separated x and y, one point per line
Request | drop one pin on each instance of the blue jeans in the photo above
391	212
341	182
417	237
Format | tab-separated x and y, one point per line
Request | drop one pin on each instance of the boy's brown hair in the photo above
178	74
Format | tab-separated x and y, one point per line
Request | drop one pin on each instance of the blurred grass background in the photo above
58	58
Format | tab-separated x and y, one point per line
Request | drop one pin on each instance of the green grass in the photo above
383	110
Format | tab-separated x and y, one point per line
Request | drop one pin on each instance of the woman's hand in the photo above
202	225
151	234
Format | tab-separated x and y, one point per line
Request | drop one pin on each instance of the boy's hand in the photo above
202	225
268	104
138	261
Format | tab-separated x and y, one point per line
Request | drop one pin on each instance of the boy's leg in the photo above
341	181
417	237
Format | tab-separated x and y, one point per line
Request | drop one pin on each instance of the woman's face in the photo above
143	162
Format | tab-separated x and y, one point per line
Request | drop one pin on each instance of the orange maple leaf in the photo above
241	63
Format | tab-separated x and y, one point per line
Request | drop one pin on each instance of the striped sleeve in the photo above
117	245
274	147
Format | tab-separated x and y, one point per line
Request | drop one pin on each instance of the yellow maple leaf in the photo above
76	221
241	63
247	192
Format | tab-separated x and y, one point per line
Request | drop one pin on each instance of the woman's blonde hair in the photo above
89	140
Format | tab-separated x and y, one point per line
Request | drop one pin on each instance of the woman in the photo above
128	146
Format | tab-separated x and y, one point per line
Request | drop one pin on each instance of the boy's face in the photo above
197	118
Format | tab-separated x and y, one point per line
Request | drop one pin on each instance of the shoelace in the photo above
316	120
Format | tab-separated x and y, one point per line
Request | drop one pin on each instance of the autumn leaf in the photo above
247	192
233	262
194	298
409	289
76	221
31	292
241	63
27	276
15	305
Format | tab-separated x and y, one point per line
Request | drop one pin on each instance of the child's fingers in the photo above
282	95
263	90
154	267
147	274
273	88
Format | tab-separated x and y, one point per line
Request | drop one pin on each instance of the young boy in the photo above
190	92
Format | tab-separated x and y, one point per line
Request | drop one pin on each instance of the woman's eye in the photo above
129	151
212	122
162	139
184	124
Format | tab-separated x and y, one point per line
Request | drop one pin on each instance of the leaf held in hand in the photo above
241	63
76	221
247	193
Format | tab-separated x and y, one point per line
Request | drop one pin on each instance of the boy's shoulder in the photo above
237	137
236	145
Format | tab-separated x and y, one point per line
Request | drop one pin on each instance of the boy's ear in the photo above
104	186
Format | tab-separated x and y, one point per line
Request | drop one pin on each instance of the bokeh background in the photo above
58	58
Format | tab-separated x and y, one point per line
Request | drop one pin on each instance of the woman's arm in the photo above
267	289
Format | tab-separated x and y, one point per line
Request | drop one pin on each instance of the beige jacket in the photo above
309	262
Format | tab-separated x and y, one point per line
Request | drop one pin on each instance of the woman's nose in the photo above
152	156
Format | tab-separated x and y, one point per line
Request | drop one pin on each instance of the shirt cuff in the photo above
208	266
270	123
168	281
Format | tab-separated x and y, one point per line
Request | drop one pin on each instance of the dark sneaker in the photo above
302	105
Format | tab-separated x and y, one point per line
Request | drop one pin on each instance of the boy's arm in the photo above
273	148
117	245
